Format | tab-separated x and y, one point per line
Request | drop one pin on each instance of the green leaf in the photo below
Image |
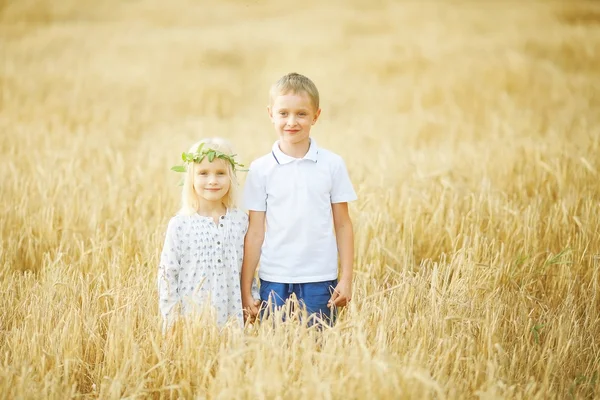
189	157
536	332
202	152
559	258
178	168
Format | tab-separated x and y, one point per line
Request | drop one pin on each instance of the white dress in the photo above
201	260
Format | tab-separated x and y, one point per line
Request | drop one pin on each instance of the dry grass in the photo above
471	130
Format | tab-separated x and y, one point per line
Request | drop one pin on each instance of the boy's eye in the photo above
282	113
221	173
202	173
302	114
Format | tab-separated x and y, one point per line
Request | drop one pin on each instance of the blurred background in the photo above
471	133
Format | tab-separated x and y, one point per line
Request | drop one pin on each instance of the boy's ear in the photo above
270	111
316	116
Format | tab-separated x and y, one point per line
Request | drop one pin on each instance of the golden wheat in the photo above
470	129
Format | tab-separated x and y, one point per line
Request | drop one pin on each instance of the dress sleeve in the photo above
168	273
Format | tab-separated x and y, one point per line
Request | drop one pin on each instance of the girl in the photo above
203	250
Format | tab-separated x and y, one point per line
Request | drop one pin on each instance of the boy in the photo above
298	189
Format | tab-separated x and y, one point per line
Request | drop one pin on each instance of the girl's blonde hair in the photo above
189	197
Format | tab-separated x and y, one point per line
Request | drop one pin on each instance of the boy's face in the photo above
293	115
211	179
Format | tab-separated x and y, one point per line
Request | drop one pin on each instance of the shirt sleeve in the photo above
168	273
255	192
342	190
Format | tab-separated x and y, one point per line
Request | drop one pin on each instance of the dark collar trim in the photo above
272	152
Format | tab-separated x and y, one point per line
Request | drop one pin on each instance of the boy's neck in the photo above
296	150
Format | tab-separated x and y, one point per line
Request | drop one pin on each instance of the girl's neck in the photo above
296	150
212	209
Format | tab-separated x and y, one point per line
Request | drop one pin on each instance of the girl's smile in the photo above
211	180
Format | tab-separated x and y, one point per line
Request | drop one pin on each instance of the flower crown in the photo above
211	154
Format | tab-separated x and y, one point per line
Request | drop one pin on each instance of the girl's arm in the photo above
252	245
168	274
344	235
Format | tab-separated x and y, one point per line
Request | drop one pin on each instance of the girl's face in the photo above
211	179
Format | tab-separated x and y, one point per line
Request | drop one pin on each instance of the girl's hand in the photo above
341	295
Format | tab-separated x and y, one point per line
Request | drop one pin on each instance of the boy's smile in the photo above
293	115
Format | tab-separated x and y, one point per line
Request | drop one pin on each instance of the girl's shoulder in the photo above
179	221
181	218
238	215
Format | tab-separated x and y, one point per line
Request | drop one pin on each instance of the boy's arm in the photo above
344	234
252	245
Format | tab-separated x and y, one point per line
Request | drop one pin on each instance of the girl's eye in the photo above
220	173
203	173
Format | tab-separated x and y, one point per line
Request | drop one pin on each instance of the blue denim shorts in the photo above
314	296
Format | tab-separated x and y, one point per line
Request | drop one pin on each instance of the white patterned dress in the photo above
201	260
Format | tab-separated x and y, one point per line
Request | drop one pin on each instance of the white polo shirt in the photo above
297	194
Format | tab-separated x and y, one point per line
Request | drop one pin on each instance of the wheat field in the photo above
471	131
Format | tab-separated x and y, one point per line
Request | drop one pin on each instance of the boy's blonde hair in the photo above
295	83
189	197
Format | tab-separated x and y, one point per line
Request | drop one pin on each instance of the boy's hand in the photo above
250	307
341	295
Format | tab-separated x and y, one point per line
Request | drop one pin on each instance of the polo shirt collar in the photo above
282	158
